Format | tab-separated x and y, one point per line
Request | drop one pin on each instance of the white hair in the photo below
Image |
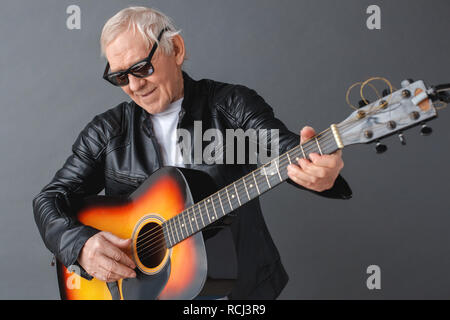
148	22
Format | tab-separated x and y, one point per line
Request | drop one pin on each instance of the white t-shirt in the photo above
165	129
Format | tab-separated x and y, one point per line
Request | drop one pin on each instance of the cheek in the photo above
167	80
127	90
164	89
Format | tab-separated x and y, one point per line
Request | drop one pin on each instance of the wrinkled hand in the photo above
104	256
318	174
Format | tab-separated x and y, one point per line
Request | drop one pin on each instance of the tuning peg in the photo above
406	82
362	103
402	138
425	130
380	148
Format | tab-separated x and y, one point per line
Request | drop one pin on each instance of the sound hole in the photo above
151	245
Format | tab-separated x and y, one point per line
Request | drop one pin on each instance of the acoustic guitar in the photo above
165	214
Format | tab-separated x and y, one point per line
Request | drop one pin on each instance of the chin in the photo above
153	108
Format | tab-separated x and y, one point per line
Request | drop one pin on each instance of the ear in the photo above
179	50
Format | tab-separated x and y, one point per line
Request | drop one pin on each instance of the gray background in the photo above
301	56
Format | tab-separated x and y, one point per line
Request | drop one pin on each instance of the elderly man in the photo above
125	144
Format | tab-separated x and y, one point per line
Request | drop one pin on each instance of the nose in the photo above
135	83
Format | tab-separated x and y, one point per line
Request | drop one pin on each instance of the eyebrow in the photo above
123	69
152	48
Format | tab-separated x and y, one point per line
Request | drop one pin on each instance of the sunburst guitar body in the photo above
162	272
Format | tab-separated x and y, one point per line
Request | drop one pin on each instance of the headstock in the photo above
394	113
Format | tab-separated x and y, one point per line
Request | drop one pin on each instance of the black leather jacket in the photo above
117	151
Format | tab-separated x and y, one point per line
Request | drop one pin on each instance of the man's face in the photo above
155	92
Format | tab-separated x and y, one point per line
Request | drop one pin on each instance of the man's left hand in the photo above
318	173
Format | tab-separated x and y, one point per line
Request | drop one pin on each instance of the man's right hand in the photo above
104	256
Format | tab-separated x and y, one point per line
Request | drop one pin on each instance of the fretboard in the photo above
243	190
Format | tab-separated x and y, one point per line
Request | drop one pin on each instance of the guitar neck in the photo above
243	190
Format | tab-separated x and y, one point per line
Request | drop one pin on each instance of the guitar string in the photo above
152	246
342	127
188	233
363	84
306	148
312	139
196	215
239	188
191	213
260	178
160	244
243	179
347	99
156	247
198	205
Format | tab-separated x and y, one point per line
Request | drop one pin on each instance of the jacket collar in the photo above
188	89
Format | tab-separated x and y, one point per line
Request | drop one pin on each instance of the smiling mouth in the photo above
147	94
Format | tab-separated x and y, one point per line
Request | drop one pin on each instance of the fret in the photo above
166	228
245	185
263	179
267	179
318	145
295	154
237	194
273	178
330	145
175	227
236	197
189	219
214	207
289	158
171	242
256	184
181	225
283	167
278	170
193	218
227	205
186	215
166	236
228	196
303	151
221	205
196	218
207	211
252	189
272	174
234	204
170	231
200	212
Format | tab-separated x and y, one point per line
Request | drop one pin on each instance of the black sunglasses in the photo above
141	69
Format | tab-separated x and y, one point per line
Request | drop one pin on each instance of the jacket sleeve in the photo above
253	112
81	175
